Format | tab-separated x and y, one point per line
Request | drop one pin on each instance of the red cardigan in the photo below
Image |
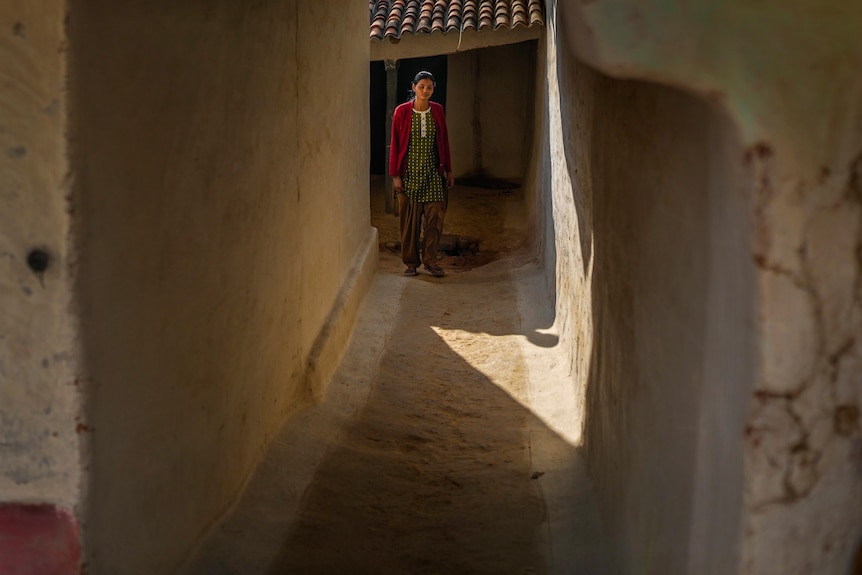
401	120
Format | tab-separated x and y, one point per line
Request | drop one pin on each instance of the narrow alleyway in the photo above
427	455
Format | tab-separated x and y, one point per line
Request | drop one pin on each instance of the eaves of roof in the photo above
394	18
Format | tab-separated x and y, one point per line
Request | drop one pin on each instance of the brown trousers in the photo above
412	226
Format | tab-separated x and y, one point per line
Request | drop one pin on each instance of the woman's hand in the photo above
397	184
450	181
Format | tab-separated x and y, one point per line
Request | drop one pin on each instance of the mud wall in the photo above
221	188
489	109
791	86
671	363
645	211
39	346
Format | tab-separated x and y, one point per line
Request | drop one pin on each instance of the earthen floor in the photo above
436	449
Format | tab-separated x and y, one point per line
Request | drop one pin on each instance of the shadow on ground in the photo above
425	456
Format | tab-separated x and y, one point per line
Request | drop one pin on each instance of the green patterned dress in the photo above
422	181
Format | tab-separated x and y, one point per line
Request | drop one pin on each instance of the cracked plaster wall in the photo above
788	76
39	345
804	447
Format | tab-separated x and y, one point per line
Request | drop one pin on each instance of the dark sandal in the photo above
410	272
435	271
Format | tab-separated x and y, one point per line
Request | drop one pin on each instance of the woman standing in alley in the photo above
421	170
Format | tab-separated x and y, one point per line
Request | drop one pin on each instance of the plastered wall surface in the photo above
505	90
39	398
332	190
489	102
221	157
803	440
461	112
646	227
788	76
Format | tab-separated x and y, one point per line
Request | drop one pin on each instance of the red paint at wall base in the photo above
38	540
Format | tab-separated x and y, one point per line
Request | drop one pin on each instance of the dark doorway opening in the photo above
378	117
407	70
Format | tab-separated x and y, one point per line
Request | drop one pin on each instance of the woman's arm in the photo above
395	144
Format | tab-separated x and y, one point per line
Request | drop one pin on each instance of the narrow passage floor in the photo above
430	452
434	476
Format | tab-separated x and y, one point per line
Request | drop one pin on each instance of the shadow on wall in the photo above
672	296
657	213
208	270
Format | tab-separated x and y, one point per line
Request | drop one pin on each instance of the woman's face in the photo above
423	89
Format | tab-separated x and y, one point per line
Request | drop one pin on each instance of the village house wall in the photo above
220	154
489	110
42	431
778	347
641	196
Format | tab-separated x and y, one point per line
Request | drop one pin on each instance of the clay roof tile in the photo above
392	18
486	13
470	18
501	14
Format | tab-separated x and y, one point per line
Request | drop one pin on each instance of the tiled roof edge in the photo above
396	18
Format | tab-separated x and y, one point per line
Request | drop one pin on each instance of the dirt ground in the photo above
485	221
426	456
